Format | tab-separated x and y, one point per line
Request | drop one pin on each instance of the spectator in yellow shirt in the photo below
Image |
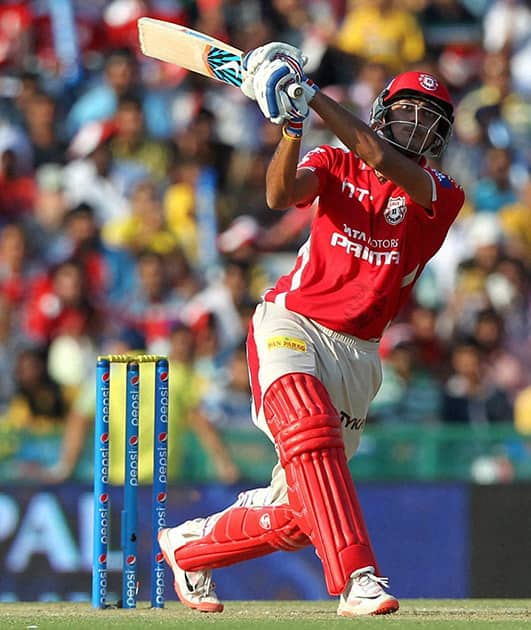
132	146
516	224
378	31
145	229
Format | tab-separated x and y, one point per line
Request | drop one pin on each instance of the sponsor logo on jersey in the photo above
291	343
351	190
359	250
396	210
371	242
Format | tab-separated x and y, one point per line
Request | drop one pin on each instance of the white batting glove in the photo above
254	58
283	91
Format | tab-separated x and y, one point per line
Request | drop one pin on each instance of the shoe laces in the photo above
370	583
204	586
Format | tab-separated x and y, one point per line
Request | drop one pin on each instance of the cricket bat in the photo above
194	51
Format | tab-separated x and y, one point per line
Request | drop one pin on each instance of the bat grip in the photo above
294	90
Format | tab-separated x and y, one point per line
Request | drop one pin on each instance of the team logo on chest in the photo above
396	210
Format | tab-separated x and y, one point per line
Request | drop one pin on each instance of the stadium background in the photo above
132	215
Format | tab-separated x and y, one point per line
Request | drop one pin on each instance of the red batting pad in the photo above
307	431
242	533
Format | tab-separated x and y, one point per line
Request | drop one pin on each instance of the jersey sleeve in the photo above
319	160
447	198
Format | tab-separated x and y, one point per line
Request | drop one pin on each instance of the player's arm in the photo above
285	186
270	79
270	74
373	150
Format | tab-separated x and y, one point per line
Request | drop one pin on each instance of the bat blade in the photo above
194	51
191	50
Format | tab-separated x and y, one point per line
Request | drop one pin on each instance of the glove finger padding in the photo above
270	85
254	59
273	87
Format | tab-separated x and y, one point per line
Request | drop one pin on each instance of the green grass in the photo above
414	614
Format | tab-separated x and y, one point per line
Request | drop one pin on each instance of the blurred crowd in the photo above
133	214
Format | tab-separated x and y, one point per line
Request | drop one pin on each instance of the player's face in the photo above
413	124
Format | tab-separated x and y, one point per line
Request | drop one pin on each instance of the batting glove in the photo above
283	91
293	128
255	57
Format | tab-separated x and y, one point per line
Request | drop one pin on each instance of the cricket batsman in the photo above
312	347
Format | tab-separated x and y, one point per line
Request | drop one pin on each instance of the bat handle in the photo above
294	90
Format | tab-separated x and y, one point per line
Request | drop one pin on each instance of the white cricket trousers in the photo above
282	342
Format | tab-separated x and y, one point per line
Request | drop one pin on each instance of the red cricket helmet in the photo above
418	86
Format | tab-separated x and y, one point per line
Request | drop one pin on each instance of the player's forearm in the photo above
352	131
375	151
281	175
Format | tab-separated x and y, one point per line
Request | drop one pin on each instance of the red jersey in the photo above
368	244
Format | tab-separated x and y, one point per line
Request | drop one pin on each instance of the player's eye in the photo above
404	107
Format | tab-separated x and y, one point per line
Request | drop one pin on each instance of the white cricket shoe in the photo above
364	595
194	588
